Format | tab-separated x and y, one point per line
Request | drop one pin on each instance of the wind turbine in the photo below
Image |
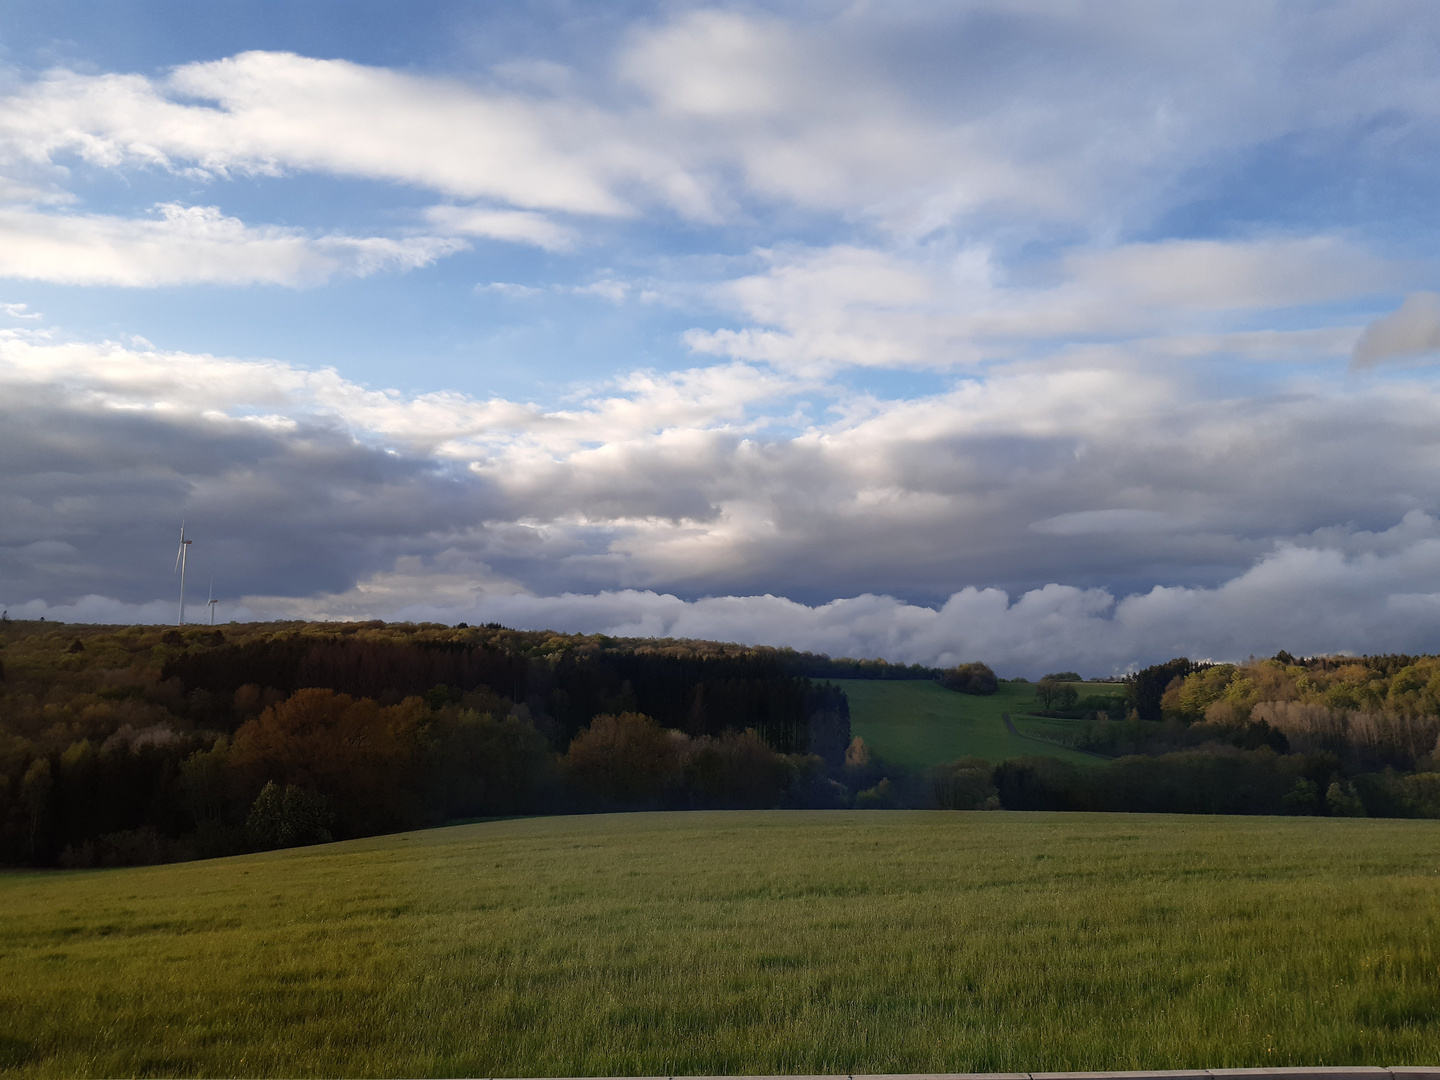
212	602
180	565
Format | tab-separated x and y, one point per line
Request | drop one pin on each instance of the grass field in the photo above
918	723
767	942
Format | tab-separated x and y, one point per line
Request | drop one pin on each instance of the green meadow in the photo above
919	723
759	942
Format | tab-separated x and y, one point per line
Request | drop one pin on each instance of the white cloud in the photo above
510	290
278	111
105	611
936	307
606	288
910	121
515	226
1367	593
1228	275
192	244
1352	593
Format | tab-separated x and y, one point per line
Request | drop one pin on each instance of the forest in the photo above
127	745
130	745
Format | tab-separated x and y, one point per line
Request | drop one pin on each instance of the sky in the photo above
1061	335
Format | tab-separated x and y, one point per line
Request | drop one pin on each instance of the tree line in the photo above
139	744
132	745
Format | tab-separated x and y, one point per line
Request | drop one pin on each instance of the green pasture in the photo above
763	942
918	723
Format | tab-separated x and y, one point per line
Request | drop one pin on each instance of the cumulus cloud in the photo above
681	483
1412	330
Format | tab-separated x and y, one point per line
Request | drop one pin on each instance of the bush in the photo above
1341	800
880	797
129	847
964	784
973	678
482	767
288	817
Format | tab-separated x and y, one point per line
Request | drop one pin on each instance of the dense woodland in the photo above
143	744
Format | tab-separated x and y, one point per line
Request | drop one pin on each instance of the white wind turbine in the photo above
212	602
180	565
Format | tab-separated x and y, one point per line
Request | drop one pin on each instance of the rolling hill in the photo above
760	942
918	723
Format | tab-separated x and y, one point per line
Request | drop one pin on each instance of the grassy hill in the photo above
765	942
919	723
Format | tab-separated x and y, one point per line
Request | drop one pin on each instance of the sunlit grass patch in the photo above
918	723
766	942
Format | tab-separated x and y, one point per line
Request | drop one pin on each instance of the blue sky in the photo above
1052	334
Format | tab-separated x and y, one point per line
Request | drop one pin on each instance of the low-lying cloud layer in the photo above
1352	593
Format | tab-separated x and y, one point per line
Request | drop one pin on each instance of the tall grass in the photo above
770	942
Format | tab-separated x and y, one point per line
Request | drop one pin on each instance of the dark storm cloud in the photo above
290	511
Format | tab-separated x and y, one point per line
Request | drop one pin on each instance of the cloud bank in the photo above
311	496
1353	593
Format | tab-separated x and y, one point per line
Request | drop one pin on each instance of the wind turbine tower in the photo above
180	565
212	602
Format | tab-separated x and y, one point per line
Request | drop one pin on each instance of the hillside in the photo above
734	943
140	745
919	723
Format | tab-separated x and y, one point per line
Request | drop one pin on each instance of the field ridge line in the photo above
1295	1072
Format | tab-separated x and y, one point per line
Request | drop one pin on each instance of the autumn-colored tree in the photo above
626	759
356	752
972	678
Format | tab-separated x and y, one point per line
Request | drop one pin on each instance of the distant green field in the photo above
918	723
767	942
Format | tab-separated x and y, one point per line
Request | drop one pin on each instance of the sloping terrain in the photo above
918	723
740	942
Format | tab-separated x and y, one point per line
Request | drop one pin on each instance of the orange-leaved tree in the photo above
357	753
627	759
